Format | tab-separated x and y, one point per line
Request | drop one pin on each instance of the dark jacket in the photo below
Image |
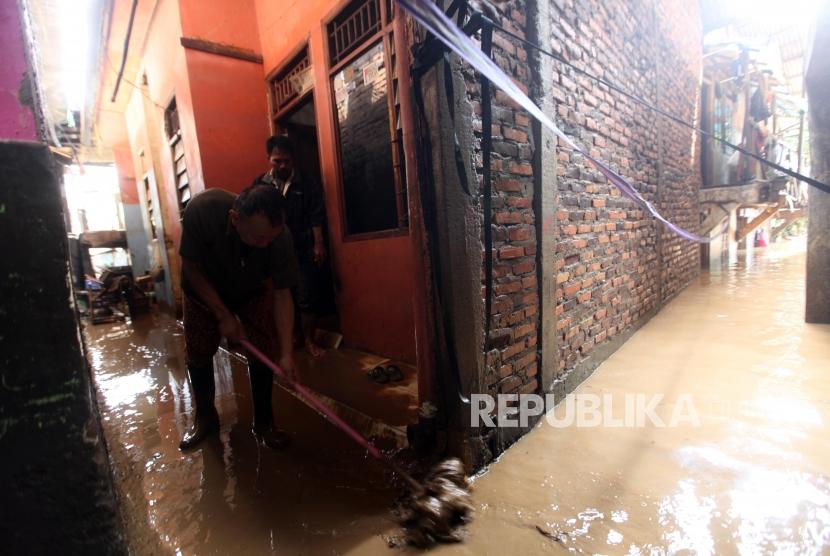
304	210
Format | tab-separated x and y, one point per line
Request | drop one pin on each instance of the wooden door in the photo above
374	251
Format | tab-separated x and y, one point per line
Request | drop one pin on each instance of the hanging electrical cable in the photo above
815	183
437	23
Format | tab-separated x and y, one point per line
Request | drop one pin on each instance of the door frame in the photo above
316	43
164	288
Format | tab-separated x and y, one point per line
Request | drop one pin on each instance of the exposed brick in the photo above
510	384
606	266
529	387
525	360
571	289
508	218
510	351
511	252
515	135
510	287
524	268
503	99
522	169
508	185
518	202
524	330
500	338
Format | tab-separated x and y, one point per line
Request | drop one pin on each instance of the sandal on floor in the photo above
378	375
313	349
393	373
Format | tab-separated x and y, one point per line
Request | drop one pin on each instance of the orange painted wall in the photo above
162	62
377	276
286	24
229	101
224	117
230	110
220	101
126	174
165	65
230	23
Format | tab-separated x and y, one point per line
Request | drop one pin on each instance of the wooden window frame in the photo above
149	207
174	141
385	35
301	54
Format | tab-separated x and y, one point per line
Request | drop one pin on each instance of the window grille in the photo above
285	86
352	27
174	136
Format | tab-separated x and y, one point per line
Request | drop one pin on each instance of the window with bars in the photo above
174	136
364	80
352	27
291	82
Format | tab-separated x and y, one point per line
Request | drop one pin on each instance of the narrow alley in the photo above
753	477
463	277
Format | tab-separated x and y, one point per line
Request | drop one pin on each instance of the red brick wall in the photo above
614	265
512	360
680	87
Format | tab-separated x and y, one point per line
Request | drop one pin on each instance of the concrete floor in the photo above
753	476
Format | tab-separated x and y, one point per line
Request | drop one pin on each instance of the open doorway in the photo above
375	378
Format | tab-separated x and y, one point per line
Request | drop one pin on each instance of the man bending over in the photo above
238	268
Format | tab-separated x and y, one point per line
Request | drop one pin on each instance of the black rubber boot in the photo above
262	383
206	420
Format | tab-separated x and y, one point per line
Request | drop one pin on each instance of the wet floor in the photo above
741	463
752	478
341	374
229	496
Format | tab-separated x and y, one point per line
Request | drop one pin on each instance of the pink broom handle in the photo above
312	399
330	415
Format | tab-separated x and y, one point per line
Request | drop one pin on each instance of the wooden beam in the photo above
789	217
800	138
218	49
746	229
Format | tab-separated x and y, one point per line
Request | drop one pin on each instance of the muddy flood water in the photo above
745	468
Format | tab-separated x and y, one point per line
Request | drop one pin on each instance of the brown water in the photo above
230	496
753	476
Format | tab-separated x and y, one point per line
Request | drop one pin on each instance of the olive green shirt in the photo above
238	271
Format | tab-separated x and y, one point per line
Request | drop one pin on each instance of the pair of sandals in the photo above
382	375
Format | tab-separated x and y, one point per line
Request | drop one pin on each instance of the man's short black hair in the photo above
261	199
281	143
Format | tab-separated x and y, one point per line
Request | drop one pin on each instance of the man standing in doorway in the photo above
305	217
234	250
